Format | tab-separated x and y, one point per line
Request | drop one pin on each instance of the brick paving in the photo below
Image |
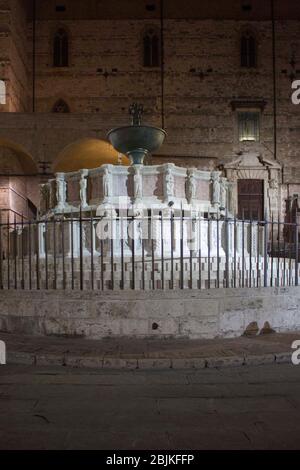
134	353
51	407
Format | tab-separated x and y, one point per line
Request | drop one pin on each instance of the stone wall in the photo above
191	314
13	198
14	51
202	76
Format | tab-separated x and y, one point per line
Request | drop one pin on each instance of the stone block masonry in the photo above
174	314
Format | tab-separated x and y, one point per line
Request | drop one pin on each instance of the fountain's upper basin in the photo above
127	139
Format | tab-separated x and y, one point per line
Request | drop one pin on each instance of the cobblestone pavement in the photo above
250	407
134	353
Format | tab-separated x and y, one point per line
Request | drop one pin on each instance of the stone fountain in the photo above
142	192
158	187
136	141
134	220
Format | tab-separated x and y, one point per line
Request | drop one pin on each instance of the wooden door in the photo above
251	199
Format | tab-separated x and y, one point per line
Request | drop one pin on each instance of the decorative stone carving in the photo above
61	191
106	181
45	197
273	193
169	183
273	184
232	176
83	188
215	188
231	197
252	165
159	186
223	193
137	182
135	227
190	186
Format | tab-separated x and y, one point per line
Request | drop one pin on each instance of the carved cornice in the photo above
246	104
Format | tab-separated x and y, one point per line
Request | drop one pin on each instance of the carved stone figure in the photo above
83	189
61	190
191	186
45	196
215	188
273	184
106	181
273	194
136	230
137	182
223	193
169	183
231	197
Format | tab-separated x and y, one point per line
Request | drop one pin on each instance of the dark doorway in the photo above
251	199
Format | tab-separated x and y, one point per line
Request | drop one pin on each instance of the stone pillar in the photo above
273	193
232	197
94	238
223	193
136	229
218	238
189	233
167	231
106	228
155	233
239	239
73	227
203	227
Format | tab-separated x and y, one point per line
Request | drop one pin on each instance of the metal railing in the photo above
147	252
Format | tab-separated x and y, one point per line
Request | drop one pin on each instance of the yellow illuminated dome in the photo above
88	153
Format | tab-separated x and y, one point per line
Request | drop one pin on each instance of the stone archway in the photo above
15	160
19	189
252	166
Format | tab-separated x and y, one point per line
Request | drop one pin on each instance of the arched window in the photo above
151	49
248	51
61	49
61	107
2	92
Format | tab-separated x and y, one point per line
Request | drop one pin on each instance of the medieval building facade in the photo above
217	76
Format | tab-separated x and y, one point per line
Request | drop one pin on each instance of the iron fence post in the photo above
15	252
1	252
46	253
296	253
266	252
227	249
22	249
80	250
